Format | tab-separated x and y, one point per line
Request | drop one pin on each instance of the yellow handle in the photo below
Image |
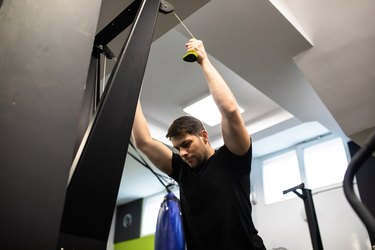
191	56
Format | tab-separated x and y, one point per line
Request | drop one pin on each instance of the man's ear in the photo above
204	135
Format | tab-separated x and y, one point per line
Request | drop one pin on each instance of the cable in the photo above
143	162
191	56
183	24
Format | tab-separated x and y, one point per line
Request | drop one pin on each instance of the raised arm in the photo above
235	134
158	153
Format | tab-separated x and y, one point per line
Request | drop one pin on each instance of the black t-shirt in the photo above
215	202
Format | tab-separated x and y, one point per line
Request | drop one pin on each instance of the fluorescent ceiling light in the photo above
206	111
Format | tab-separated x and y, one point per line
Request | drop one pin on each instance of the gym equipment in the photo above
169	233
312	221
161	178
167	8
191	56
93	187
358	161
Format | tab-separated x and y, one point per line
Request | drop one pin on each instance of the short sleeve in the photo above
177	167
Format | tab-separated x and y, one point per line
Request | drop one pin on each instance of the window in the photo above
279	173
325	163
318	164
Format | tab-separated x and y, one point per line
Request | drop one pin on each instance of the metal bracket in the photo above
165	7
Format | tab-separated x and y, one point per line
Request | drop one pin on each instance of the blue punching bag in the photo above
169	233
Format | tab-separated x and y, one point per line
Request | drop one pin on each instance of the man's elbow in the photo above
232	112
139	144
230	108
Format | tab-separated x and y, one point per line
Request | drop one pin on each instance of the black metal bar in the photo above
92	191
293	189
97	83
312	220
355	164
118	24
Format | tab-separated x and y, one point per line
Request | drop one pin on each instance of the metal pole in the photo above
358	160
312	219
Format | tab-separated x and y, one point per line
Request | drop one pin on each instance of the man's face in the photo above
192	148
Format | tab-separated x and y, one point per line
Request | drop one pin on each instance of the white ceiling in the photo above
315	63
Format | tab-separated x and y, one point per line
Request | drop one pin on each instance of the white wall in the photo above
283	224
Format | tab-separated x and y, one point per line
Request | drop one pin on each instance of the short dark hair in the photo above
185	125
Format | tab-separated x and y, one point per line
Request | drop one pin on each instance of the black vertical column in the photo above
312	220
44	59
365	181
92	192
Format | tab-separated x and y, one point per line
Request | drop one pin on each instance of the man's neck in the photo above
210	151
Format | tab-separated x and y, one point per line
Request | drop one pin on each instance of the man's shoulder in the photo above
225	150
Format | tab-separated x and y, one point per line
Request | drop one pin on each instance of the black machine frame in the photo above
357	162
92	190
312	220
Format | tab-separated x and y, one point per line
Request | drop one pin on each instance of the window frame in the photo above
299	149
279	153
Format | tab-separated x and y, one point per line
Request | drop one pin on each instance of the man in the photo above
214	184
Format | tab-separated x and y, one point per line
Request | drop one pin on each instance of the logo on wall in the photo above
127	220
